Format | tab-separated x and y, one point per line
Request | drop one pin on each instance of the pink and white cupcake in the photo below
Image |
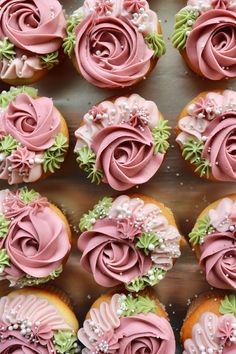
33	136
206	134
129	240
122	141
119	323
31	36
35	238
204	33
213	239
114	43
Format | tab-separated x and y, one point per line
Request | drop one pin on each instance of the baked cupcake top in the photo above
33	136
128	240
215	331
114	43
34	238
32	323
206	135
127	324
122	141
214	234
205	33
31	33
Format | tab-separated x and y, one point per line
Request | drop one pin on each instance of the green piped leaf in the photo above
4	226
147	242
153	277
8	144
156	42
28	195
161	134
99	211
55	155
192	152
200	230
4	260
48	61
228	305
31	281
69	42
86	159
7	96
65	342
131	306
184	21
7	49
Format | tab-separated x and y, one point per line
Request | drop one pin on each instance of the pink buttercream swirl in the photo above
225	331
126	155
110	51
220	146
210	46
218	258
22	160
110	255
34	26
32	122
134	6
221	4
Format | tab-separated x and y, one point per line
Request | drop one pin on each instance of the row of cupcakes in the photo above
113	43
37	321
129	240
120	141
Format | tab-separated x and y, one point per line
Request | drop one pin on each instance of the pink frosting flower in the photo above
35	26
220	147
32	122
110	51
220	4
225	330
141	334
103	7
37	242
109	255
126	155
134	5
211	47
22	160
218	258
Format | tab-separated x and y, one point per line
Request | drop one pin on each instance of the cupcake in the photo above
34	321
119	323
122	141
114	43
34	238
33	136
31	37
129	240
210	325
213	239
204	33
206	135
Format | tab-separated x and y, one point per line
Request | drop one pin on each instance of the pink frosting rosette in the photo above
111	52
35	26
210	47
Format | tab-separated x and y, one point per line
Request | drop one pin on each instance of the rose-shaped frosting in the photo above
32	122
35	26
126	155
220	147
110	257
111	52
37	242
218	258
210	47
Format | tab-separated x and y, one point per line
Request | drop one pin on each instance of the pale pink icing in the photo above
37	240
224	215
38	26
109	257
32	122
205	335
126	334
111	52
18	68
206	5
210	46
